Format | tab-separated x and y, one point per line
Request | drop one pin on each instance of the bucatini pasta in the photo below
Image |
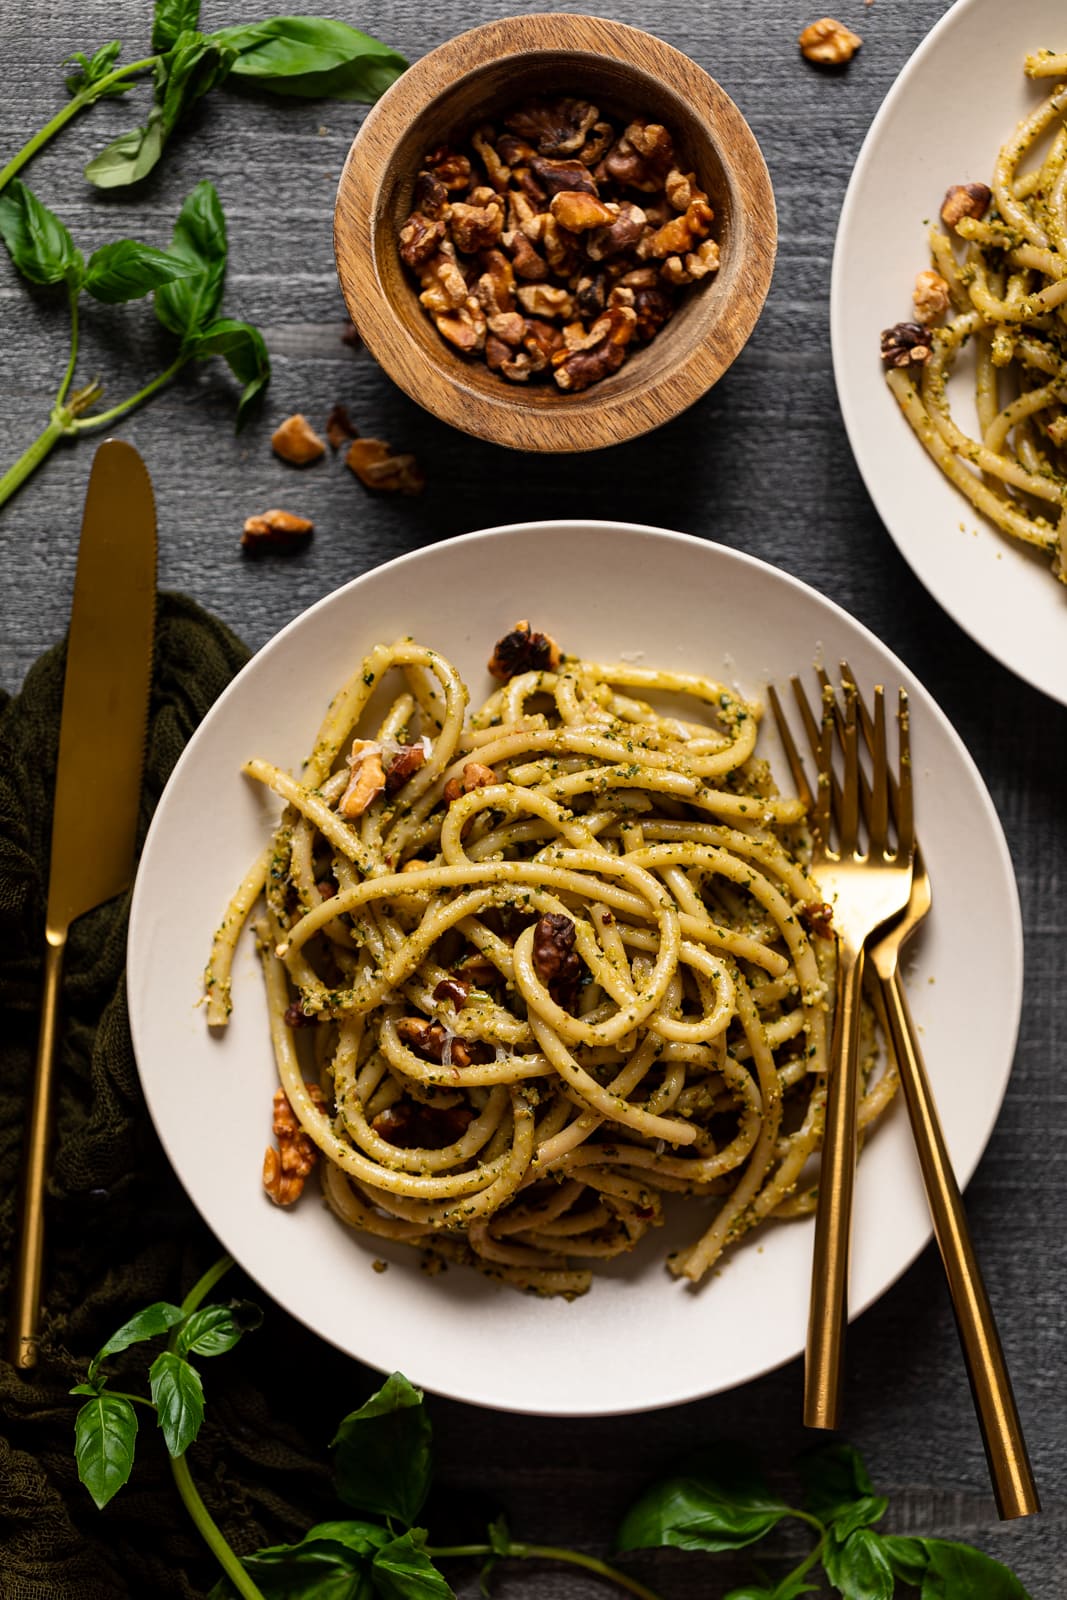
1001	284
532	968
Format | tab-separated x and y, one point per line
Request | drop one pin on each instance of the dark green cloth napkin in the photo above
120	1231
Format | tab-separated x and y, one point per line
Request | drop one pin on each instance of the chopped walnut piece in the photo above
653	307
286	1168
682	188
366	780
476	227
412	1126
495	288
524	258
420	239
614	331
682	233
464	327
509	326
829	42
404	765
455	990
557	127
555	960
296	441
435	1043
431	196
577	211
444	288
609	242
283	531
702	260
641	159
339	427
817	916
523	650
930	296
449	167
905	344
563	177
376	467
542	300
475	776
497	169
965	200
295	1016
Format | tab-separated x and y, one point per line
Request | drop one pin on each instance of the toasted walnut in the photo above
295	1016
497	170
555	960
283	531
817	916
965	200
683	233
476	227
641	159
829	42
524	649
376	467
590	294
675	272
930	296
444	288
562	177
475	776
455	990
412	1126
906	344
682	189
556	127
340	427
366	780
495	287
449	167
653	307
404	765
541	338
296	441
604	244
430	196
542	300
524	258
579	211
420	239
286	1168
614	331
464	327
702	260
598	141
497	353
435	1043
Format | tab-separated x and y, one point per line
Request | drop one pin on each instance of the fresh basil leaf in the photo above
838	1490
958	1572
907	1557
403	1571
128	270
791	1587
312	57
39	245
153	1320
179	1397
88	1388
216	1329
105	1431
382	1461
858	1566
172	18
243	349
92	68
331	1562
185	306
192	67
721	1503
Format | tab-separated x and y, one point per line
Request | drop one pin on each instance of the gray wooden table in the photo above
761	464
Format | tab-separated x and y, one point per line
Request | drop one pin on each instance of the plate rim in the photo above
857	183
1004	866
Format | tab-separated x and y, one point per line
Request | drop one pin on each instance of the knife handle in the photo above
998	1417
26	1303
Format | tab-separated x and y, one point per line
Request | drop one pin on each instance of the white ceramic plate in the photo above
957	100
639	1339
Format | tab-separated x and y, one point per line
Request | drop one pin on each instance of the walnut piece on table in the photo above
376	467
829	42
296	441
282	531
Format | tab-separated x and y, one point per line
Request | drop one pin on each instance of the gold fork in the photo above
998	1418
867	888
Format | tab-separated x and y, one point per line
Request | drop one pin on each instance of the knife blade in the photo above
98	787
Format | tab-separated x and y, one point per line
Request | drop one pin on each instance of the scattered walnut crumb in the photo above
296	441
286	1168
965	200
376	467
350	337
475	776
379	1265
829	42
930	296
277	530
339	427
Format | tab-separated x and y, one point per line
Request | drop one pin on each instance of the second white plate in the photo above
639	1339
956	102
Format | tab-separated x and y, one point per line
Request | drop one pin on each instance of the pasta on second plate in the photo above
531	969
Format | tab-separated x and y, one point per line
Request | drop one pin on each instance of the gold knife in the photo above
98	788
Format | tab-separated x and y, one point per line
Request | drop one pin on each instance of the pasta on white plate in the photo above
533	968
1001	285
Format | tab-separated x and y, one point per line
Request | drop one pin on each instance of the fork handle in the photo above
828	1312
1002	1435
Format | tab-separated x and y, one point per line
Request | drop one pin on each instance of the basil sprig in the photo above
312	57
186	279
720	1502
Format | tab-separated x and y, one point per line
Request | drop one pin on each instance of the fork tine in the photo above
821	741
849	815
905	813
878	812
792	754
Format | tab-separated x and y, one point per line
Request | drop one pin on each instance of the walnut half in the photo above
286	1168
829	42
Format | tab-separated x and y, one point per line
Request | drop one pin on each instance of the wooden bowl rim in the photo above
597	417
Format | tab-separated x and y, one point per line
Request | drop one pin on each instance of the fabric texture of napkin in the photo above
120	1231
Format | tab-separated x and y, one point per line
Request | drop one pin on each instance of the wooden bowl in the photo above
478	75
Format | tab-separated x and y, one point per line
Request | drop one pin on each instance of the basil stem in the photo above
548	1552
79	102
